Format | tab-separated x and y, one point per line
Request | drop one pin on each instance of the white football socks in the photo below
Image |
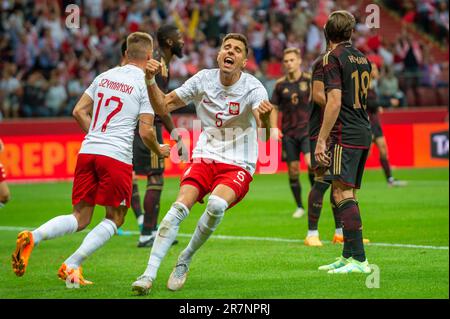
206	225
167	232
56	227
313	233
96	238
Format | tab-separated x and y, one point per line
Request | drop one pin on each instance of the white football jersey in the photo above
120	95
229	130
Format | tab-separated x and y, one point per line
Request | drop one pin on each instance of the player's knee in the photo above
4	198
177	213
155	181
216	206
82	221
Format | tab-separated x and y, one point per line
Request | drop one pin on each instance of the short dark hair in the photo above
165	32
339	26
123	47
239	37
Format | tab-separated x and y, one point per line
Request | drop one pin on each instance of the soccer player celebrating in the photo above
108	112
344	150
146	162
4	190
373	109
230	105
291	96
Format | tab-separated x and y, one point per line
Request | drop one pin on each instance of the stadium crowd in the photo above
45	65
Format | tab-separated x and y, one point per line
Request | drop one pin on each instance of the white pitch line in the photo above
273	239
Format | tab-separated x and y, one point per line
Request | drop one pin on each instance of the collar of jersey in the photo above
135	67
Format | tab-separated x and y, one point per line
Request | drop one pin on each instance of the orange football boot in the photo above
20	257
313	241
75	275
339	239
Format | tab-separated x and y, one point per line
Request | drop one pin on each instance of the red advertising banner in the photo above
52	156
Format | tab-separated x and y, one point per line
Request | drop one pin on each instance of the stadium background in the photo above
46	66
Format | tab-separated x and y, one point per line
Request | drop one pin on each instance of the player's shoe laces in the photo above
20	257
178	277
142	285
73	276
340	262
353	266
313	241
339	239
392	182
299	212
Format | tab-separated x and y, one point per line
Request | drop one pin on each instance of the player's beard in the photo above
178	50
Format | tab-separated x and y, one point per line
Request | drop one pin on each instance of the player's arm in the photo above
262	116
148	135
318	93
82	112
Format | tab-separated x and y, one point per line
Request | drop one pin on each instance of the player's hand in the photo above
153	67
320	154
164	150
182	150
276	134
264	109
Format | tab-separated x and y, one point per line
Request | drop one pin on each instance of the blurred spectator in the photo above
389	91
34	96
10	91
56	96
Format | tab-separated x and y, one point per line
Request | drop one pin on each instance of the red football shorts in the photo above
102	180
206	175
2	173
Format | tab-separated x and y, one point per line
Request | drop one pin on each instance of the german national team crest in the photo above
233	108
303	86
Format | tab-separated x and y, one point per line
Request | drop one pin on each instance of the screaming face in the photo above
232	56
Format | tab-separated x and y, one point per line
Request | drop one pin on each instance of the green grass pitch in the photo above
239	266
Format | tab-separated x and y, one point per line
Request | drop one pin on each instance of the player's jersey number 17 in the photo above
107	105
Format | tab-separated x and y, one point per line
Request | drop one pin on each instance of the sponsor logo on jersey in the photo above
285	91
233	108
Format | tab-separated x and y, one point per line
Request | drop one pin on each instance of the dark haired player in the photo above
146	162
345	136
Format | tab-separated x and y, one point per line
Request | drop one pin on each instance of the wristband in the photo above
151	81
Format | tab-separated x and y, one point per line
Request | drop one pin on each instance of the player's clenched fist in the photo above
164	150
264	109
153	67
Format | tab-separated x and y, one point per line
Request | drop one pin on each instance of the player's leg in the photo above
230	186
95	239
315	201
54	228
165	235
5	194
380	142
83	198
151	209
136	202
347	167
291	155
4	190
338	237
306	150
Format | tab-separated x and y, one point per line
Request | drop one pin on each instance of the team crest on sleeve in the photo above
233	108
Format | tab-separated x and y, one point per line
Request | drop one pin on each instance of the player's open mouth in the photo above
228	61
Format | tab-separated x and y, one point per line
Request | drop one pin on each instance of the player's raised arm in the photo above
148	135
162	103
82	112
